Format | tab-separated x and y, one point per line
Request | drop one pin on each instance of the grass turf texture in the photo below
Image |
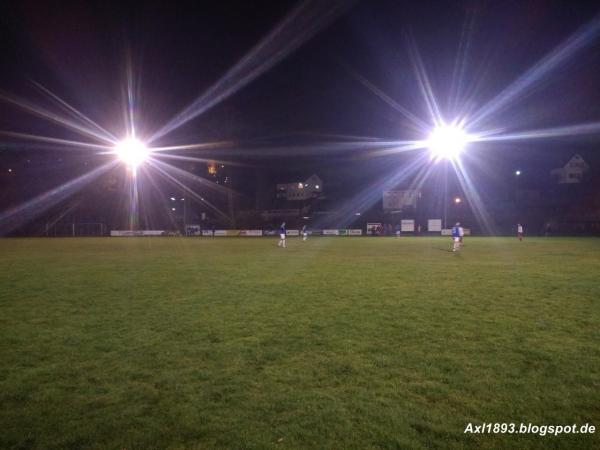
355	343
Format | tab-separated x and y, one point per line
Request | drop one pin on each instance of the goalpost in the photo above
76	229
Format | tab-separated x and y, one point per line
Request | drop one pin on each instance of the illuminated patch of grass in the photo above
356	343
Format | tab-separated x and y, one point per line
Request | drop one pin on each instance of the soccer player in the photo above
520	231
304	233
281	242
456	237
461	234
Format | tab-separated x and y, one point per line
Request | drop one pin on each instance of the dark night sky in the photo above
180	48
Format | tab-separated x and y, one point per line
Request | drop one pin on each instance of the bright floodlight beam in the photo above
132	152
447	142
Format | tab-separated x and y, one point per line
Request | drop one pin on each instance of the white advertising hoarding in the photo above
434	225
373	228
193	230
250	232
448	231
130	233
407	226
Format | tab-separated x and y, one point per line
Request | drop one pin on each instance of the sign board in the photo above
342	232
130	233
407	226
330	232
250	233
193	230
434	225
399	200
354	232
220	232
374	229
292	232
448	231
207	233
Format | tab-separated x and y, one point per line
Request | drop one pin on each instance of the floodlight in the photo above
457	200
447	142
132	152
518	172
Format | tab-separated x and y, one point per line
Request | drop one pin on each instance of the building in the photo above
311	188
218	173
572	172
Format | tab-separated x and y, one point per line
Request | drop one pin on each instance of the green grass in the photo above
334	343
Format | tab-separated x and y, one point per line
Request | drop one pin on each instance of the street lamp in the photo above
517	175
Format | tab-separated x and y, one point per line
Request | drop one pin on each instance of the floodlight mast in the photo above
447	142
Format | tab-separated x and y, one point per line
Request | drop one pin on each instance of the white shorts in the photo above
281	236
456	239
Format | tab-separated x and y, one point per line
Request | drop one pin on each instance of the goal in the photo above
76	229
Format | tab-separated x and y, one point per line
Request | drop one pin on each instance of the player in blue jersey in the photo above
281	242
304	233
456	235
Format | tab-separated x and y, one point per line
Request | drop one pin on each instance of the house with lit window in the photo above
310	188
572	172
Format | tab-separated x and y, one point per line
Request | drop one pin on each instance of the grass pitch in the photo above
333	343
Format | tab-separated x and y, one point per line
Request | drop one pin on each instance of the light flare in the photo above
132	152
447	142
301	24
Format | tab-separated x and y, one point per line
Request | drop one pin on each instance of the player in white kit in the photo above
520	232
